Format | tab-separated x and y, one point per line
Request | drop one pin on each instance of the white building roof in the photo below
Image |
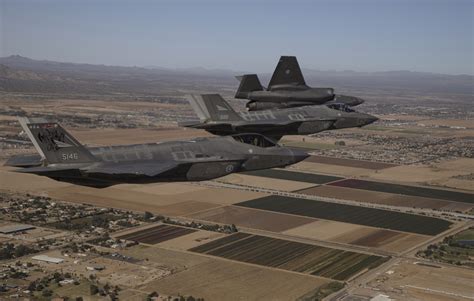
47	258
15	228
381	297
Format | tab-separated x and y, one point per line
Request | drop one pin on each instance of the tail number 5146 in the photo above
69	156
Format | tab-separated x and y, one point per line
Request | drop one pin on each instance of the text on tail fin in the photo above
54	143
219	109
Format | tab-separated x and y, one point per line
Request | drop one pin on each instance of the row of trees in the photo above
10	251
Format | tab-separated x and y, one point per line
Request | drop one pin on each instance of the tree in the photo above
93	289
47	292
148	215
32	286
151	296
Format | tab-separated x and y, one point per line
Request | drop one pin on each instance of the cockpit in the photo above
255	139
341	107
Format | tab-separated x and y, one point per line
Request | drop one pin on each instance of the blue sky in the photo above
379	35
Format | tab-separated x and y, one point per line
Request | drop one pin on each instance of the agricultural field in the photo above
384	198
157	234
214	278
264	182
250	218
312	228
351	214
293	176
293	256
407	190
349	162
381	239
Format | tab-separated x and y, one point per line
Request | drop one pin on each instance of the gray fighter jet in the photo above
287	88
63	158
217	117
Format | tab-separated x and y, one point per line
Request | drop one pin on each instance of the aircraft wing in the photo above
276	123
49	169
222	126
149	169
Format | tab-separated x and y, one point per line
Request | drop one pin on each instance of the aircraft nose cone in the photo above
366	119
371	119
358	101
299	155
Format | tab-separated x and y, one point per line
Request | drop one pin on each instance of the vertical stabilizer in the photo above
287	72
53	143
212	107
248	83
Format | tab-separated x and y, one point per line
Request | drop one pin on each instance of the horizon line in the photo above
151	67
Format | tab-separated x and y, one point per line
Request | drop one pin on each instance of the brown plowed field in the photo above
156	234
403	242
377	238
218	279
349	162
358	235
384	198
264	182
251	218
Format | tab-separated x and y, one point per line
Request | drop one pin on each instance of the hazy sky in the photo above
378	35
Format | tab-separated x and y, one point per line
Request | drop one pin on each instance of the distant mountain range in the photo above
23	74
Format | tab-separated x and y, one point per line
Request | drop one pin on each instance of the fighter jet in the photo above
63	158
217	117
287	88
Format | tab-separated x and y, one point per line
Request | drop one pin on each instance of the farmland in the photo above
249	218
349	162
214	278
156	234
407	190
384	198
293	176
289	255
351	214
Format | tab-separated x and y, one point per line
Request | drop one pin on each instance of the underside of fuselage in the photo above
183	172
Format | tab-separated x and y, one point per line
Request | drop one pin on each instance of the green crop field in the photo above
293	256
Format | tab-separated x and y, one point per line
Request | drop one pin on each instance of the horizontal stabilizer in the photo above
24	161
45	169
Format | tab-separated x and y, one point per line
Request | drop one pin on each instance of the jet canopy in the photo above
255	139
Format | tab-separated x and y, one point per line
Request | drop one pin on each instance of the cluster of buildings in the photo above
399	149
